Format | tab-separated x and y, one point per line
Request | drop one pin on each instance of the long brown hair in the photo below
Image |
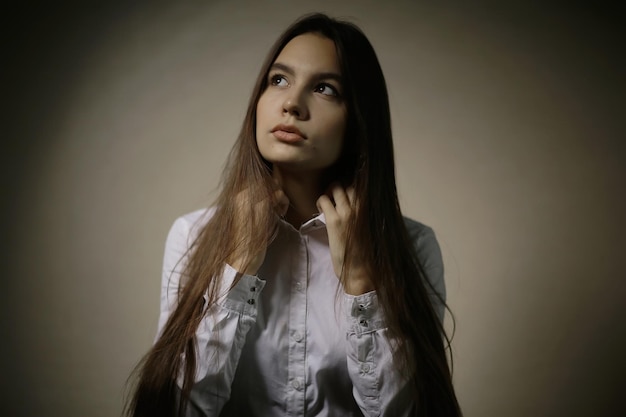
367	163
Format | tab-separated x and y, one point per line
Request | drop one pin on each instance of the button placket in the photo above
297	384
295	400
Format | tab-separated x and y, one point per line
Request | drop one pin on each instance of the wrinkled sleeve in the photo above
378	387
221	334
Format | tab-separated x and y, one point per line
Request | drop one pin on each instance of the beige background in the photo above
510	143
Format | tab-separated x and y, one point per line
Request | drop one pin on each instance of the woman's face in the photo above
301	116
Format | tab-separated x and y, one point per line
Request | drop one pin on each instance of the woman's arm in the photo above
379	389
221	334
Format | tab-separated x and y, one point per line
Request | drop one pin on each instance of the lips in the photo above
288	133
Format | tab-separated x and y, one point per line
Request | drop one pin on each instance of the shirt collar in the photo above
318	221
315	222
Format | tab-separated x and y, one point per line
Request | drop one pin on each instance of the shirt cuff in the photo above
363	313
241	298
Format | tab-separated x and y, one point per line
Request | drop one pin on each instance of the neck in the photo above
302	189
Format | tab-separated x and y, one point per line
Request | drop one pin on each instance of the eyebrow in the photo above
319	75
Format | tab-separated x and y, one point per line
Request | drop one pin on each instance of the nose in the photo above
295	105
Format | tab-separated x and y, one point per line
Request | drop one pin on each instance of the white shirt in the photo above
289	341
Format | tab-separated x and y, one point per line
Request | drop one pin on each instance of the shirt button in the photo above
362	322
297	336
296	384
361	307
253	289
365	368
251	301
298	286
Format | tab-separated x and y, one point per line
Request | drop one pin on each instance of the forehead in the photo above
310	52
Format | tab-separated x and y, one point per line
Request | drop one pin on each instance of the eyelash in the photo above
275	79
321	86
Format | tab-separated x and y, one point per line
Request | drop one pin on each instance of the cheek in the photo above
259	111
339	129
336	130
261	117
264	106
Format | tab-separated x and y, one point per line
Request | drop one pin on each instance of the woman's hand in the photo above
338	216
248	256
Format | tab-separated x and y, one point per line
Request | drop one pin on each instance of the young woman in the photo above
304	291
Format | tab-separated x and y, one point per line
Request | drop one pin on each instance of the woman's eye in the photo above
278	80
327	90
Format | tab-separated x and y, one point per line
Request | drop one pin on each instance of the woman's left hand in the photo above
338	216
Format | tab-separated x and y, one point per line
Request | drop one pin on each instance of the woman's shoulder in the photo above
429	255
418	231
424	242
188	226
197	217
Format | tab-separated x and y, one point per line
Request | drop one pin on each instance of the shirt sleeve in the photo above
378	387
221	334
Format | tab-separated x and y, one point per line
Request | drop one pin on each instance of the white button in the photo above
298	286
365	368
297	336
296	384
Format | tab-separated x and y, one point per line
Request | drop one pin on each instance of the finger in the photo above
342	204
324	205
351	194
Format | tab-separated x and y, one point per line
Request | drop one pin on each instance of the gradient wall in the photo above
510	143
